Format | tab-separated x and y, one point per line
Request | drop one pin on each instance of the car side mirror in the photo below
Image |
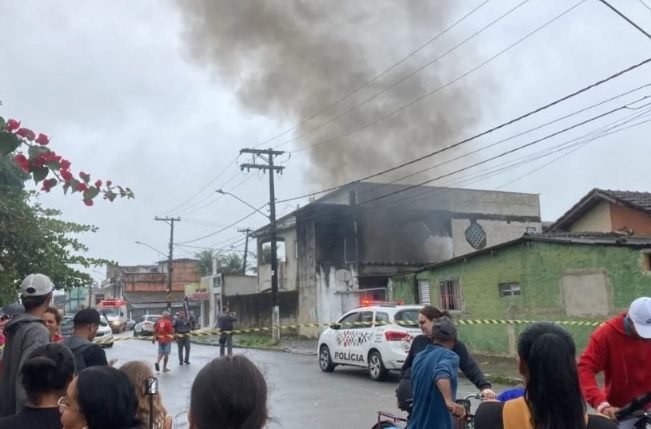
335	326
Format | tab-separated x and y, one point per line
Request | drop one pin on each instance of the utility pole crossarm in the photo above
262	152
248	166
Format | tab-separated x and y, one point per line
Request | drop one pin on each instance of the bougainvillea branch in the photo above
48	168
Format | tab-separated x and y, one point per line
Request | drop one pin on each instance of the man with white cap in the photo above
621	349
25	333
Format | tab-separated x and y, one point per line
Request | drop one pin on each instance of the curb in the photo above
261	348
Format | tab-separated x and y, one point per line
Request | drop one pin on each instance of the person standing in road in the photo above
434	380
163	333
620	348
182	328
24	334
85	326
225	323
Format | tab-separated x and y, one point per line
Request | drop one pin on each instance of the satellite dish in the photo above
343	276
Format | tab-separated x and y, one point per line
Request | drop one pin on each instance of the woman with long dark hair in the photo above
553	399
426	318
99	398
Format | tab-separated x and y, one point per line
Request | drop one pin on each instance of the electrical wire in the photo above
626	18
225	228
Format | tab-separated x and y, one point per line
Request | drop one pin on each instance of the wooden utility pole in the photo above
267	155
170	268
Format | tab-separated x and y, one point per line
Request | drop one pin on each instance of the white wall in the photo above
596	220
496	232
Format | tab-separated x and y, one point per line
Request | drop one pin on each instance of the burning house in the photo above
340	250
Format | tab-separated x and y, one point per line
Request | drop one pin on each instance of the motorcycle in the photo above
636	411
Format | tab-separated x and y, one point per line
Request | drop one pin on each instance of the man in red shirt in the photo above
163	332
621	348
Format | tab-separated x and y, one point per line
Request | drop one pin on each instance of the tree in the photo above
231	263
205	258
41	163
34	239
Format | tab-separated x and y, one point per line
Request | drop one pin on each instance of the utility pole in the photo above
267	155
246	231
170	269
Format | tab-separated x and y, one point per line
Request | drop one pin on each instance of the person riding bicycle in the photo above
621	349
426	318
552	399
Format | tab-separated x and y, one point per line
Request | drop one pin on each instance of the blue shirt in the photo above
432	364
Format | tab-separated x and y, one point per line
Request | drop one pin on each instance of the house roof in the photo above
635	200
575	238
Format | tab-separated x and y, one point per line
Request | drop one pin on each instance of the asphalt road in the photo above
300	395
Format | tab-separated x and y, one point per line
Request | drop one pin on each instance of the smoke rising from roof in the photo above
288	60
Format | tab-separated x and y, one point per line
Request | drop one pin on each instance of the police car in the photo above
376	337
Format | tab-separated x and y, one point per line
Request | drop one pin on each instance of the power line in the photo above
483	133
440	88
645	5
626	18
405	77
376	77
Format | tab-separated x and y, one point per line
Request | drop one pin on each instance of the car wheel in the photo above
376	368
324	359
135	333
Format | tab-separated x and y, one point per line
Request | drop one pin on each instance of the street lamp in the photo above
152	248
221	191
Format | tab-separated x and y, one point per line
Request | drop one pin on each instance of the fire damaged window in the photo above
509	289
450	295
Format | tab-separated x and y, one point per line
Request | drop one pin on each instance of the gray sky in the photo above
123	95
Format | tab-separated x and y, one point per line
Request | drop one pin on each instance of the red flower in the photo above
22	162
98	184
48	184
81	187
26	133
88	202
65	175
65	164
12	125
42	139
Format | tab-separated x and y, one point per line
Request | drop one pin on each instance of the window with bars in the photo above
450	295
509	289
423	292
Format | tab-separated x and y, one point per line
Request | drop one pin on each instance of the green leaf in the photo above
8	143
73	185
91	193
65	188
40	173
54	165
36	151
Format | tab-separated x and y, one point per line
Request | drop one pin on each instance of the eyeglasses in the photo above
63	404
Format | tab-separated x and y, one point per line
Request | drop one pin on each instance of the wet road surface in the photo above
300	395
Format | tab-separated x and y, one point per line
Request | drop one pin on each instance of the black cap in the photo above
444	329
87	316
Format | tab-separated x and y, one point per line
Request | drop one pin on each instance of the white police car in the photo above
377	342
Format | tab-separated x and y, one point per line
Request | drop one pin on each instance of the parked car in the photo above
130	324
380	342
145	325
66	326
104	336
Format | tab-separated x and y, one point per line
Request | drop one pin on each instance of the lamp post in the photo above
151	247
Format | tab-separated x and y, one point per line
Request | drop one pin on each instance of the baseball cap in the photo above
640	315
87	316
36	285
444	329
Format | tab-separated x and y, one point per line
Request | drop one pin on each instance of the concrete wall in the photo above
287	267
240	285
497	231
253	311
558	282
596	220
624	218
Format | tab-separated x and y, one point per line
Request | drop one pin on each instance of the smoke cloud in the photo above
289	59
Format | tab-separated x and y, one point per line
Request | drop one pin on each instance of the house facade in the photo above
551	276
343	248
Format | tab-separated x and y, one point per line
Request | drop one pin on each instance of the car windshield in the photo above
407	317
110	311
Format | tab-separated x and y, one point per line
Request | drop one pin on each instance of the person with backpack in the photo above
25	333
85	326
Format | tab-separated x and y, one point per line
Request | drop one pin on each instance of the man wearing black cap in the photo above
86	323
434	380
25	333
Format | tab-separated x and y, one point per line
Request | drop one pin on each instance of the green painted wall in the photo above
538	267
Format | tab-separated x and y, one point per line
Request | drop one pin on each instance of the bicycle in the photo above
392	421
